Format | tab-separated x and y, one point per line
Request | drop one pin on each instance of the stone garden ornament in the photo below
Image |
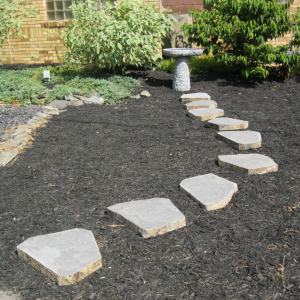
181	79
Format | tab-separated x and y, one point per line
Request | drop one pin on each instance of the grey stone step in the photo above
7	156
195	97
204	114
248	163
241	140
65	257
150	217
227	124
213	192
201	104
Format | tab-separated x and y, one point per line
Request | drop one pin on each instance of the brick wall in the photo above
39	47
182	6
285	39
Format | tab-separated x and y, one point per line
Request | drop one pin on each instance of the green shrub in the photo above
112	38
236	31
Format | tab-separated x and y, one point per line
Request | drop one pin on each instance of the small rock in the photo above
94	100
73	98
135	97
21	130
77	103
79	97
145	94
8	156
21	136
68	97
60	104
14	143
40	116
50	110
32	122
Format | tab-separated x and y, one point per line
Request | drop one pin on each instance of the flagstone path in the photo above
69	256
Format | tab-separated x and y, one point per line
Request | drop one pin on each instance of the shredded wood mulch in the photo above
90	157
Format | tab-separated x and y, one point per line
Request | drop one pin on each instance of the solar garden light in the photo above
46	75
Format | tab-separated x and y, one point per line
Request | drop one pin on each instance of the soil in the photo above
90	157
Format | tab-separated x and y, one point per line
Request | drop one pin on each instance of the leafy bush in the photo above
126	33
238	31
197	65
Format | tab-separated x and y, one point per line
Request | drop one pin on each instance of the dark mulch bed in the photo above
91	157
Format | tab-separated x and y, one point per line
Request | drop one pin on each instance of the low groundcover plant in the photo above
23	86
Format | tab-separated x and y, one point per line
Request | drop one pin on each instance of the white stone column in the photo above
181	80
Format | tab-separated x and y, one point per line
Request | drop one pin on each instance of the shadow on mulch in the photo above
91	157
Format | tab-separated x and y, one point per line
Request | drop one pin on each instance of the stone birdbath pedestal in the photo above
181	78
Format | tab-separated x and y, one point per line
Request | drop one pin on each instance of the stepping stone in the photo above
201	104
213	192
227	124
150	217
248	163
94	100
195	97
241	140
7	156
204	114
65	257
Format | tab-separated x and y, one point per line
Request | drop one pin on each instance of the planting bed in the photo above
93	156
